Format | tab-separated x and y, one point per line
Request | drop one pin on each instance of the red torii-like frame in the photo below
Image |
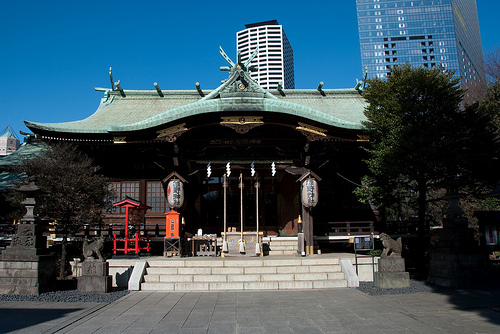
129	203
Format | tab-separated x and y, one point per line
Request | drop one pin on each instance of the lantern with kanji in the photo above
175	190
175	193
309	192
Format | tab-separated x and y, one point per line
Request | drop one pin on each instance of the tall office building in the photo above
275	58
8	143
422	33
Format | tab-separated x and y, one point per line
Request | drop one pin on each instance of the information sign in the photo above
363	243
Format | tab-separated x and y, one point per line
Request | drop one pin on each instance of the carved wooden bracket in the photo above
120	140
171	134
311	132
242	124
364	138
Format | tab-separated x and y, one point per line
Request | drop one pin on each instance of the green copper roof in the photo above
9	180
27	150
139	110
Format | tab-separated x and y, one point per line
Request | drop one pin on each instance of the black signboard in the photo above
363	243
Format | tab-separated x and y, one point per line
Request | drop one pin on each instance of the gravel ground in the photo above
65	296
415	286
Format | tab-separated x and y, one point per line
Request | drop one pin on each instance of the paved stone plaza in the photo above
297	311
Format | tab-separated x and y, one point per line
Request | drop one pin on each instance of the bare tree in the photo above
75	192
492	64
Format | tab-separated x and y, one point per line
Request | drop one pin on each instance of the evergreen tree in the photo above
421	137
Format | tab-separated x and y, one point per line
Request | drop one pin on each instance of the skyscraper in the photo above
422	33
275	58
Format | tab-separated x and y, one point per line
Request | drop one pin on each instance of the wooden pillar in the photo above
308	230
311	233
142	199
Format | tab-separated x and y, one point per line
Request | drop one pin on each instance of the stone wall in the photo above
27	275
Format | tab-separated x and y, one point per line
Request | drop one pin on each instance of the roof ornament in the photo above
320	88
366	75
361	82
239	65
280	88
111	78
226	57
198	88
158	89
119	88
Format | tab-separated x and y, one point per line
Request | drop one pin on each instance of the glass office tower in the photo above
422	33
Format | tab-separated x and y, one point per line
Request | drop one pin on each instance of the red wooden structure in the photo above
131	244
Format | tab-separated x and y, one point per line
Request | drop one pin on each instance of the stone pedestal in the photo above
27	275
456	260
25	268
391	273
95	277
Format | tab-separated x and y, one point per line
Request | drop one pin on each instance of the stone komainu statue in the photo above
93	250
392	248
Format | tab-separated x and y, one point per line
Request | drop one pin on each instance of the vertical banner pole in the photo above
224	243
242	245
126	229
257	185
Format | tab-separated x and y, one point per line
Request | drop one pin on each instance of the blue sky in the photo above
53	53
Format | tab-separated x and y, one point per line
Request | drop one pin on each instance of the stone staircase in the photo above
237	273
279	245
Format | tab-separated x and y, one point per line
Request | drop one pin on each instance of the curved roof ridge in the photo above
140	110
215	105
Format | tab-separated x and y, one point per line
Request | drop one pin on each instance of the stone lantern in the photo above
29	239
31	191
28	268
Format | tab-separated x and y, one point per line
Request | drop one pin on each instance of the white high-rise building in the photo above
274	61
8	142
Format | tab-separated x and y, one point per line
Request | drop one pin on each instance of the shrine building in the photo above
139	137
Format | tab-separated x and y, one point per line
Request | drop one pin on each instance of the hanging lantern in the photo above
175	193
309	193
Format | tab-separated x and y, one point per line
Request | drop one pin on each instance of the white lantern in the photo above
309	193
175	193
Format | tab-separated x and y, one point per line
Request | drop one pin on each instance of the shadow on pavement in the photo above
483	302
40	319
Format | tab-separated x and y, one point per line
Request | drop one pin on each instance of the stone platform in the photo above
236	273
